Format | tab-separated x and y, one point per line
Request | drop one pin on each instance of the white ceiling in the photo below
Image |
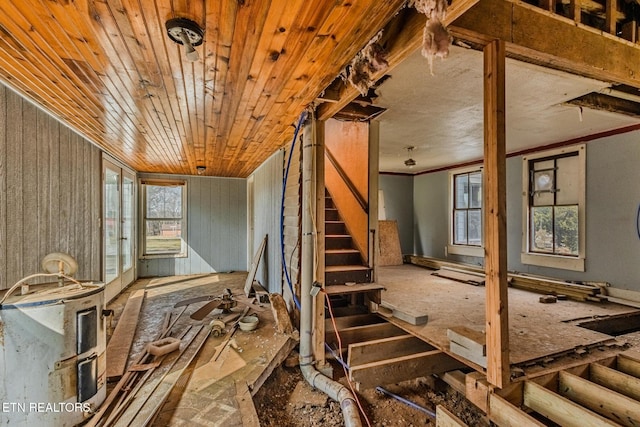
441	115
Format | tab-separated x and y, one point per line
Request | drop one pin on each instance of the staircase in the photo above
343	262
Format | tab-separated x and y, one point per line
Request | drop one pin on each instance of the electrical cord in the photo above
301	120
638	222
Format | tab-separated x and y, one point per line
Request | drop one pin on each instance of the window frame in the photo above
559	261
452	247
143	182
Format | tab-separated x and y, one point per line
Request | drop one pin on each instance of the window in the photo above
554	201
466	213
164	222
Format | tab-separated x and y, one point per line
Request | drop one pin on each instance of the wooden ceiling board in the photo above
108	69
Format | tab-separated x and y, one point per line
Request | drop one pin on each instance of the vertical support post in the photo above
495	207
374	173
318	184
575	10
610	16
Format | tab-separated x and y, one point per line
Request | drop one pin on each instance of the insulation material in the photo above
436	38
370	60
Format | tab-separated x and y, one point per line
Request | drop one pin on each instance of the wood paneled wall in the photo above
216	228
267	198
49	192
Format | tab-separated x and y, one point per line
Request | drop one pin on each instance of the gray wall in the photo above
267	197
612	199
216	228
398	201
49	192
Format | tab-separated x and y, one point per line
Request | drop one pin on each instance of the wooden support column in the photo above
495	226
610	16
318	309
575	10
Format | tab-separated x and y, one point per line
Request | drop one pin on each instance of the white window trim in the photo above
465	250
555	261
143	216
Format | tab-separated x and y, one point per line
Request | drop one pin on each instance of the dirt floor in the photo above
286	400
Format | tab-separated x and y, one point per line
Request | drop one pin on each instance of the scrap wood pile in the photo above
474	275
142	390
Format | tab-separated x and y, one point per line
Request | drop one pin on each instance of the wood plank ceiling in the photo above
108	69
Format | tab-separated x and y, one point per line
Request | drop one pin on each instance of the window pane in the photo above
163	237
541	230
460	228
568	184
475	227
543	164
462	191
111	220
164	201
475	183
566	230
127	223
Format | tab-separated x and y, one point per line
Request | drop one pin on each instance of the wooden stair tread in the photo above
342	251
332	268
348	289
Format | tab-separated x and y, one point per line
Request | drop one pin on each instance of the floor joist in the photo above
385	348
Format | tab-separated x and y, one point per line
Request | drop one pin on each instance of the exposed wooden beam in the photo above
504	414
608	403
385	348
559	409
445	418
402	37
610	16
495	223
615	380
542	37
402	368
628	365
363	333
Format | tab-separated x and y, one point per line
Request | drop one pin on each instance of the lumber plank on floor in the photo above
459	276
504	414
605	402
402	368
245	403
445	418
363	333
560	409
120	343
471	356
385	348
615	380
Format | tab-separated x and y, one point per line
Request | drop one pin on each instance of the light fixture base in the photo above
176	26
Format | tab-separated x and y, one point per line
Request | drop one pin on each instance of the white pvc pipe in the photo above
333	389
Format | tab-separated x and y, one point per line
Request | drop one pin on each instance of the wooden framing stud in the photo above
504	414
386	348
605	402
363	333
560	409
445	418
615	380
495	212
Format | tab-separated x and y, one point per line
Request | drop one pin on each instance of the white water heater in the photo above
52	355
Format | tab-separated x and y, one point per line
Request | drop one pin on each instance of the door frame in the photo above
123	278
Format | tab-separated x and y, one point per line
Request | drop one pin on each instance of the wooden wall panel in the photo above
267	195
50	181
216	228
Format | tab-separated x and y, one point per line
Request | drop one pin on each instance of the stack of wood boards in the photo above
468	343
543	285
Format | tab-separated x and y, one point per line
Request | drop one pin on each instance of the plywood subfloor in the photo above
535	330
206	394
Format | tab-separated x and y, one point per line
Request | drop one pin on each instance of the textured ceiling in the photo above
442	114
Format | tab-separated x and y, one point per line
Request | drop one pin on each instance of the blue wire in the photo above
303	117
638	222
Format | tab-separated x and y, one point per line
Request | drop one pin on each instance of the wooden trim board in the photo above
248	285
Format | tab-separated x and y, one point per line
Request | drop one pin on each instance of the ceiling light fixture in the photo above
201	169
410	162
187	33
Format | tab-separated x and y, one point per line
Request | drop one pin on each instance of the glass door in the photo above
118	228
